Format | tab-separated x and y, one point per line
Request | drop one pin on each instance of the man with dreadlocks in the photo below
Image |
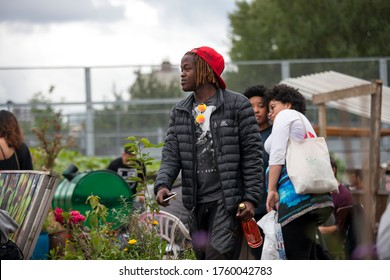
214	139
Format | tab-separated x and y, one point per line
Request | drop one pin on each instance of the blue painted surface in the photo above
41	250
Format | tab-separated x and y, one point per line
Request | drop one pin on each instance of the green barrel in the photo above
106	184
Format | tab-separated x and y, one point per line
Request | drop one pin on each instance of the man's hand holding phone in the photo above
163	196
171	195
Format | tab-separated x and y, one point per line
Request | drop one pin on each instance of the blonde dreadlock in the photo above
204	73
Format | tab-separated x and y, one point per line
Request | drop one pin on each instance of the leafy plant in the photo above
98	239
143	159
67	156
50	129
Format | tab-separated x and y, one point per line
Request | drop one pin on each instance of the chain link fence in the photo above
102	113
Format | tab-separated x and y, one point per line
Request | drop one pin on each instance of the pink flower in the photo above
58	215
72	217
76	217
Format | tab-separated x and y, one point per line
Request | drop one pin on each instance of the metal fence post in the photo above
383	71
285	70
89	125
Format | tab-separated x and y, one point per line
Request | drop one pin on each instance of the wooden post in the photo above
322	119
375	133
372	184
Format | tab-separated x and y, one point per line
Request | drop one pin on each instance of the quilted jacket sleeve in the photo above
251	149
170	162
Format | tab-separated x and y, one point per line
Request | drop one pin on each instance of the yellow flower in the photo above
202	107
125	250
200	119
132	241
154	222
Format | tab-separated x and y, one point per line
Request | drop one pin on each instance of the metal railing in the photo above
85	115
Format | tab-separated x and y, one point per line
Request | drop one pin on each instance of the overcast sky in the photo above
100	33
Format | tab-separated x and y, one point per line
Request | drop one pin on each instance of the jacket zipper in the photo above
195	168
214	132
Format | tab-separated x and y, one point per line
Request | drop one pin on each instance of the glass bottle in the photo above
251	231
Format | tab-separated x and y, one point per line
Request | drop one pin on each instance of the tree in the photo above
159	84
263	30
150	120
50	129
301	29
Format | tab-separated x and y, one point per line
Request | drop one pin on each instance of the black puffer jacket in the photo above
237	145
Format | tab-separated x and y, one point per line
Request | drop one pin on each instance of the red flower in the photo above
76	217
58	215
73	217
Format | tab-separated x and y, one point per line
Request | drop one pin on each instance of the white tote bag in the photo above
308	165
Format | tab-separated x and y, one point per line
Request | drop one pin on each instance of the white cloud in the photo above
48	11
100	32
141	14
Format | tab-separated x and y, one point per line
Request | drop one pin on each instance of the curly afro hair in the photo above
287	94
256	90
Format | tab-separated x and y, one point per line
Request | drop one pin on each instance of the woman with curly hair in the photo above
299	215
14	153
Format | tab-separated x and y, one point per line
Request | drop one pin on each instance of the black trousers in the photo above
216	234
299	235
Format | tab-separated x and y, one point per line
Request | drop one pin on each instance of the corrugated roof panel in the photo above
329	81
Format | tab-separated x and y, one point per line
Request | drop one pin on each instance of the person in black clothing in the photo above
127	168
214	139
257	95
14	153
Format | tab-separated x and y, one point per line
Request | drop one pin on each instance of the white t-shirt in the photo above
287	124
383	239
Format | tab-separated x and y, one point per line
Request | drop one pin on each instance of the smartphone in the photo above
173	194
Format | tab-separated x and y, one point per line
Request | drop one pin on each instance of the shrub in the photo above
97	239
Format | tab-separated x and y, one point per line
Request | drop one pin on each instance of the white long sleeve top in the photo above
287	124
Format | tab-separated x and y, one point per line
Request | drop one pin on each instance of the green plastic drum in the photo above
109	186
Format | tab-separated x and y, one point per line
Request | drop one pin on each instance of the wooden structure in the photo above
26	196
375	90
349	131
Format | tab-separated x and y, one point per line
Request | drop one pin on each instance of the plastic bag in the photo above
273	247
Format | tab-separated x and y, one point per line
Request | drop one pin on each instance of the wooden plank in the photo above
374	161
375	139
343	93
322	119
350	131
